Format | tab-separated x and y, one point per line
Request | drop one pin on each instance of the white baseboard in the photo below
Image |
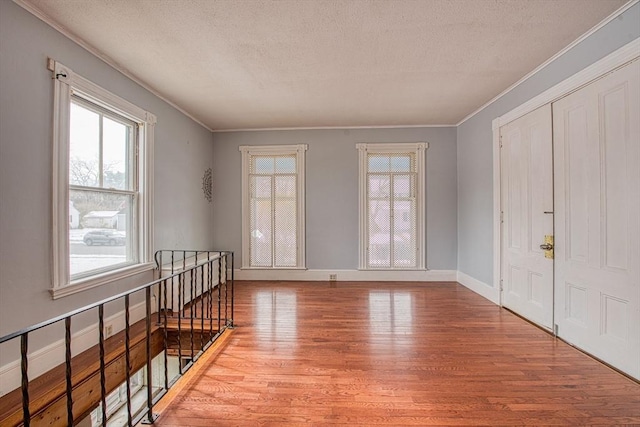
469	282
348	275
480	288
47	358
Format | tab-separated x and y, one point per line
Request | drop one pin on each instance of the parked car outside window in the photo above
104	237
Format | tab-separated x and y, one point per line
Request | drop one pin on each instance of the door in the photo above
527	216
597	179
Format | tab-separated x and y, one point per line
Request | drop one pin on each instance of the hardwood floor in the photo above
394	354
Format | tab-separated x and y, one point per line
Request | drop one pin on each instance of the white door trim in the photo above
616	59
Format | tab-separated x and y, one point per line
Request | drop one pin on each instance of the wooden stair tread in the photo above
185	324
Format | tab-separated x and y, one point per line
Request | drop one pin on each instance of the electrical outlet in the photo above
333	277
108	331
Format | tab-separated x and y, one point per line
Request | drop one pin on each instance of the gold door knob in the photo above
547	246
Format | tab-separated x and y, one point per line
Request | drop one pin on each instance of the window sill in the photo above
99	280
273	268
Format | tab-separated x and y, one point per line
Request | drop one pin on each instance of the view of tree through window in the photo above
102	189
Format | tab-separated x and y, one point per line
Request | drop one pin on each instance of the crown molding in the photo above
332	128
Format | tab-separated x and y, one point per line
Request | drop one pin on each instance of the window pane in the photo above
402	186
378	163
285	221
286	164
404	232
115	146
100	231
84	147
285	186
379	186
260	221
261	187
262	164
379	233
401	163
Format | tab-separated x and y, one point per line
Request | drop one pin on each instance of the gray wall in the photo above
332	191
475	150
183	150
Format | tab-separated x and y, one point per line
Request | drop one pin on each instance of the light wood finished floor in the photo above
394	354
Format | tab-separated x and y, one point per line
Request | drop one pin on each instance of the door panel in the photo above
597	183
527	193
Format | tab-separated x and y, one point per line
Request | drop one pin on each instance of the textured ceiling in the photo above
316	63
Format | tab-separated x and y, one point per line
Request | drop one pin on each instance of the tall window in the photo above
392	206
102	176
273	206
102	189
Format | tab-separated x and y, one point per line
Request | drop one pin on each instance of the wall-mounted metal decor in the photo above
207	183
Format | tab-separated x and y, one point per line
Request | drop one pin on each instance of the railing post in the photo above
226	292
191	305
159	277
202	296
103	382
180	289
172	279
166	336
150	416
24	367
67	358
127	357
210	296
219	290
233	287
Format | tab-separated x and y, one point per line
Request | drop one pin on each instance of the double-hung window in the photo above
102	184
273	206
392	225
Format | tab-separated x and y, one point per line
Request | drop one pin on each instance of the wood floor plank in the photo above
368	354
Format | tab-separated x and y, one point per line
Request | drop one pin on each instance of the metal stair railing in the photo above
212	305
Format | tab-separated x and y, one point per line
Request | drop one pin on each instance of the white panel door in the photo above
597	183
527	209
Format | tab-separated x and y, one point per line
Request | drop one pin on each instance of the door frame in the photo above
624	55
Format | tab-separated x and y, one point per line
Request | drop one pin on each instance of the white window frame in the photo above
299	151
66	84
419	150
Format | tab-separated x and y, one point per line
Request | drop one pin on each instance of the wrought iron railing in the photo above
204	293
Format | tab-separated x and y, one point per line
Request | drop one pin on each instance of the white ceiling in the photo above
316	63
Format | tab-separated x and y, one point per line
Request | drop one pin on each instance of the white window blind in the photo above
392	206
273	207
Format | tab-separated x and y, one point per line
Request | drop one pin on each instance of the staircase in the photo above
194	308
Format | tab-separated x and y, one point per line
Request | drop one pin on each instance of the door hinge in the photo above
555	329
501	217
500	284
